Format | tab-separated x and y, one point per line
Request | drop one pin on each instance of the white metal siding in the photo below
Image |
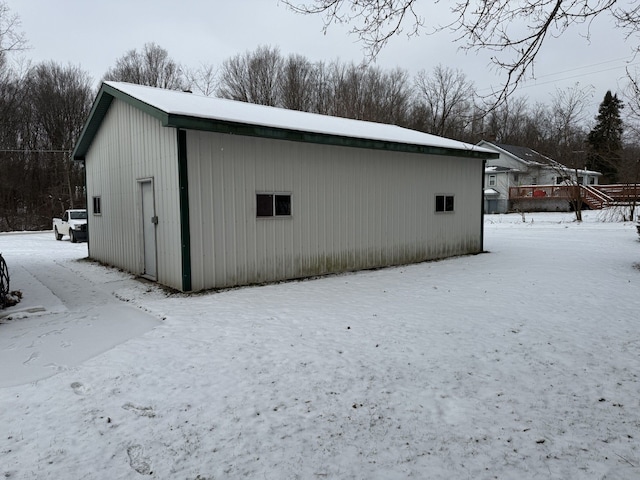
352	208
132	145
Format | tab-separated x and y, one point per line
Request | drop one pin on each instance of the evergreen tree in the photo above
605	139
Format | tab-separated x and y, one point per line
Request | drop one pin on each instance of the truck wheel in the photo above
55	232
72	237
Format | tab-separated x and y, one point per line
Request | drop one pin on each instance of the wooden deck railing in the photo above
596	196
620	192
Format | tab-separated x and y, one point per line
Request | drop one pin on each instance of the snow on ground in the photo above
519	363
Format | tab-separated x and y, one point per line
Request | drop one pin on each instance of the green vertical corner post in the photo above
185	230
86	203
484	167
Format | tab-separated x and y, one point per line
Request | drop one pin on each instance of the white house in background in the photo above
516	166
496	192
198	192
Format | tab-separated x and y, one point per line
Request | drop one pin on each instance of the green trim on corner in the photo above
185	228
86	203
484	167
99	111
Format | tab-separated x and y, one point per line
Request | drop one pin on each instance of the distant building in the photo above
522	166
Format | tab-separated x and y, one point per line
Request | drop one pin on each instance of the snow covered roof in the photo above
525	155
530	157
499	169
190	111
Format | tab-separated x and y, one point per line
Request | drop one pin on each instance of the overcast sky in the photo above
93	35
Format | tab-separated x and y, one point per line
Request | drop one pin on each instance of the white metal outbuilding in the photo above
199	192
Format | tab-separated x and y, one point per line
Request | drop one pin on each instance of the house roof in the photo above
491	192
195	112
530	157
526	155
499	169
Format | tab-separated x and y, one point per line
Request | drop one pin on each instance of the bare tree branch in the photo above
11	39
204	78
516	31
374	22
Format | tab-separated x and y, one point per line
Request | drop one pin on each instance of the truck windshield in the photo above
78	215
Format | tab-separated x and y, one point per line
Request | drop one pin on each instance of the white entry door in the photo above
149	222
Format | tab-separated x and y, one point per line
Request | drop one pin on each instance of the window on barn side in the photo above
444	203
492	180
97	206
273	204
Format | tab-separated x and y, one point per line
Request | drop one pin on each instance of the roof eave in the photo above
98	112
107	93
252	130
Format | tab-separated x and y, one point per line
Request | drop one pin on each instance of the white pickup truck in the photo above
72	223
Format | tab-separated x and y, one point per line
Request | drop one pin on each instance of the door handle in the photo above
154	219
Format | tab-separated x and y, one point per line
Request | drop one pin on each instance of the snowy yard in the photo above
521	363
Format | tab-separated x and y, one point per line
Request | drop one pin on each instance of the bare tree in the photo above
252	77
321	97
629	168
203	79
629	171
380	96
60	100
11	38
568	115
509	122
297	83
361	91
514	30
43	111
395	96
446	97
346	87
11	143
152	66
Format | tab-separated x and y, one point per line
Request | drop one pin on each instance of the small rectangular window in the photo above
264	205
283	205
97	206
492	180
444	203
273	204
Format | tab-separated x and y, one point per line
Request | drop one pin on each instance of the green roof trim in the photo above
187	122
99	111
221	126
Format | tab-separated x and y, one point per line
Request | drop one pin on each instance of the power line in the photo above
536	84
33	151
625	59
528	83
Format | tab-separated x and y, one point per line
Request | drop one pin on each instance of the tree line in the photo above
43	109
